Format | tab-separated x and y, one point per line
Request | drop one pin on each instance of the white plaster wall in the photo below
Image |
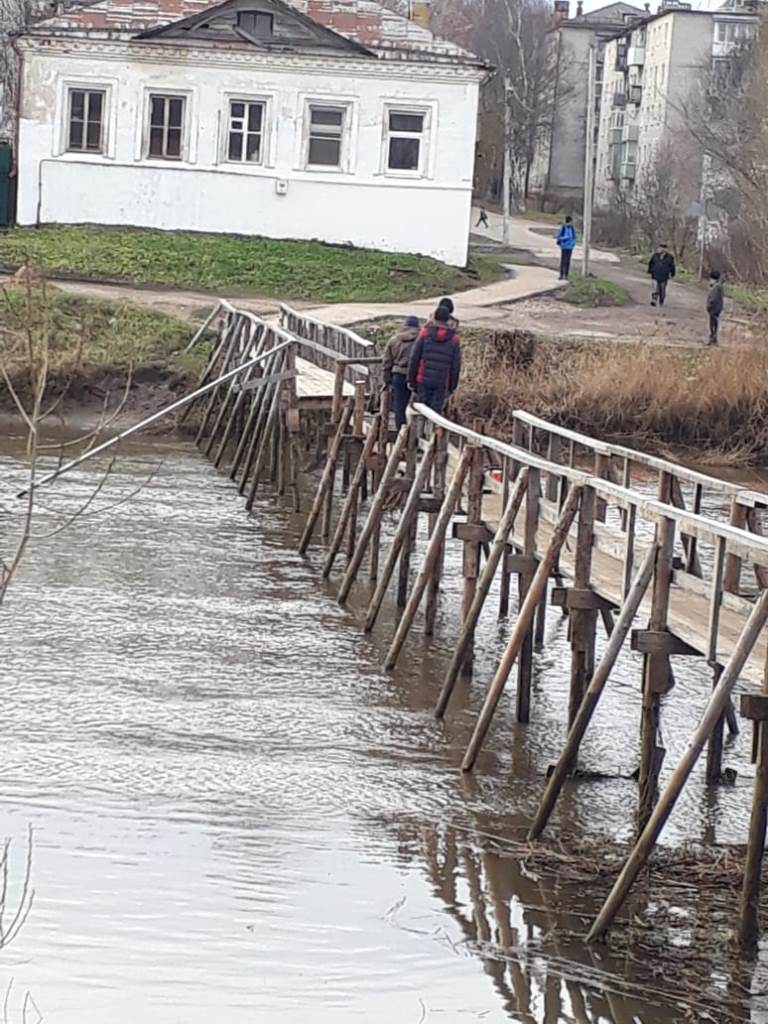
361	204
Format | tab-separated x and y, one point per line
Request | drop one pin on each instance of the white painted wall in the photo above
361	204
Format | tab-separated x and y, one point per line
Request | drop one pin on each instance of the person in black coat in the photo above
435	362
661	267
715	303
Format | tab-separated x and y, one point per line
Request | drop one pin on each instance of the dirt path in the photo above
682	321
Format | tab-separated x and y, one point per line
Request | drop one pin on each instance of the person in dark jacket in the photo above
448	304
715	302
661	267
566	239
435	364
395	362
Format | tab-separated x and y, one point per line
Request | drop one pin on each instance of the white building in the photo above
334	120
652	71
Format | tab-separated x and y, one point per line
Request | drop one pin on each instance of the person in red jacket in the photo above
435	363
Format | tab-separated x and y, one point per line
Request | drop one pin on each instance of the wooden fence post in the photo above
583	621
522	625
325	486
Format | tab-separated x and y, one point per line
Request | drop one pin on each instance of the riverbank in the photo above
99	358
705	404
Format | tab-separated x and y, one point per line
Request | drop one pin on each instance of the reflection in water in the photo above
239	817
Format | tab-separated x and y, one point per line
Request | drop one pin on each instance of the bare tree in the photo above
513	36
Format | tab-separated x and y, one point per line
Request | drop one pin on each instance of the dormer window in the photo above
256	23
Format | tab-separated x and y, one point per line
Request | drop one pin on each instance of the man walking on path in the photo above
715	301
661	267
482	219
435	363
566	239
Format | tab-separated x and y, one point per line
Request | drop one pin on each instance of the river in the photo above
238	816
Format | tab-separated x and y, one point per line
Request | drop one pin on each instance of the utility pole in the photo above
589	161
507	172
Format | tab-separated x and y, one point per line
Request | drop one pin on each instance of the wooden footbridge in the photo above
663	558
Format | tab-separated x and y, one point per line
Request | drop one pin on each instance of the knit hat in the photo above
442	314
412	321
447	303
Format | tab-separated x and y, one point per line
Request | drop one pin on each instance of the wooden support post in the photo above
656	669
583	620
439	472
471	557
259	461
692	563
293	426
381	452
602	470
350	505
403	532
756	707
506	573
232	419
594	691
522	625
497	552
259	427
228	350
525	668
732	579
715	708
432	555
409	540
326	481
373	521
338	392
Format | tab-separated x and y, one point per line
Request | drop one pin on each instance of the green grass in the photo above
592	292
258	266
85	334
751	296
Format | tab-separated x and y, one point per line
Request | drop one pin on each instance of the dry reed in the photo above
714	401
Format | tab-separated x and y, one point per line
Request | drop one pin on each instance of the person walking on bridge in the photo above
395	362
661	268
566	239
435	362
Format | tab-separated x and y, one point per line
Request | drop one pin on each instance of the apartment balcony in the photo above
636	56
620	99
627	171
630	133
615	136
635	94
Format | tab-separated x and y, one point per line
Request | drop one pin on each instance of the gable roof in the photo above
364	22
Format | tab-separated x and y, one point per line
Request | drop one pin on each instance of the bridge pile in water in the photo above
559	513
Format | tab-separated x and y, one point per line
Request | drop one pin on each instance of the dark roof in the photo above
364	22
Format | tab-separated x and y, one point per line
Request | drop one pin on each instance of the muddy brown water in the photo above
238	816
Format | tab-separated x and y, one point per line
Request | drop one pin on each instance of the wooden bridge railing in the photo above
355	351
529	512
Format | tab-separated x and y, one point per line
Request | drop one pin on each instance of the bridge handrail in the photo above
745	497
748	545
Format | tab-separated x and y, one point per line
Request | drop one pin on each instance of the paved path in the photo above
480	306
537	238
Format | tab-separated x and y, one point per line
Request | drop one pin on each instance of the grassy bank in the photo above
90	347
259	266
591	292
712	402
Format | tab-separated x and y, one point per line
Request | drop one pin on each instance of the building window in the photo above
86	120
245	139
166	127
405	139
326	134
256	23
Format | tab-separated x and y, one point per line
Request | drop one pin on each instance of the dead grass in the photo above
713	402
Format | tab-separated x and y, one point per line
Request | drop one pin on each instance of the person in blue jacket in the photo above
566	239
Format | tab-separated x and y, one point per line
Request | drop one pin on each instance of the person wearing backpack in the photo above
435	363
566	239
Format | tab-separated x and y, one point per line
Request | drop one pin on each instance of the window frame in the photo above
66	86
313	104
89	91
427	112
167	95
263	102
